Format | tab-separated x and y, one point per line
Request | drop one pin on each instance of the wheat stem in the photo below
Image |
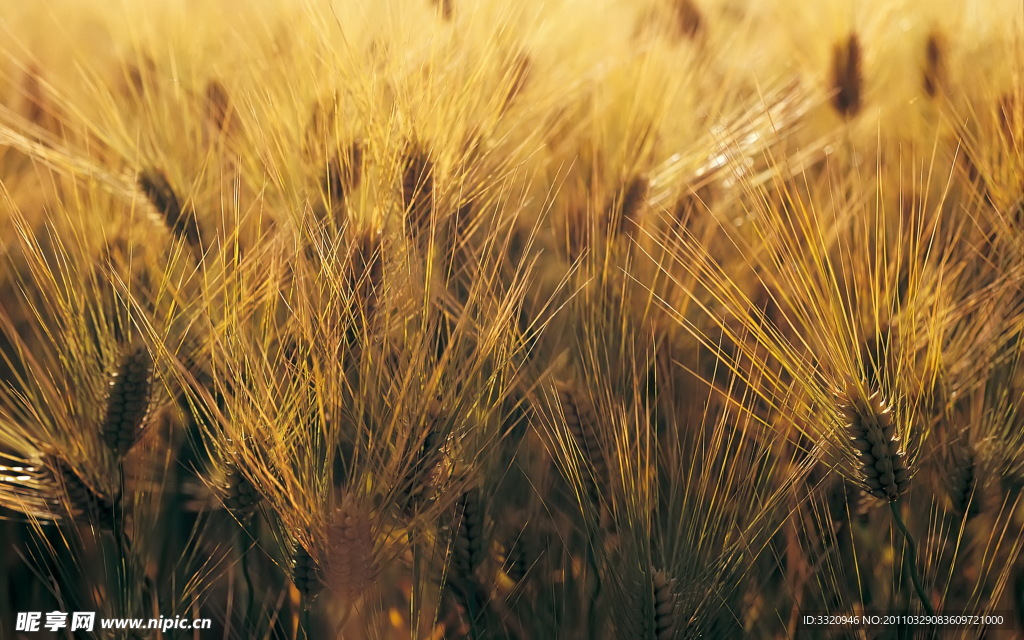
912	557
592	561
471	613
244	539
304	618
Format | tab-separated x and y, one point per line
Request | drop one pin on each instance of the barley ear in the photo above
847	81
689	21
417	191
581	422
883	471
468	549
161	194
306	574
219	110
934	76
84	504
962	480
350	567
238	495
665	605
128	401
415	489
445	8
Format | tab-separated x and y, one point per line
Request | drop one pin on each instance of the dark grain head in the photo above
688	18
306	575
446	8
417	190
934	75
882	468
468	551
128	400
343	175
627	203
219	110
847	77
183	224
83	502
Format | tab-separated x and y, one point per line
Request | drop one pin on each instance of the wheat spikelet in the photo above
219	110
962	484
689	20
366	271
350	567
621	214
238	494
883	472
306	573
847	80
933	78
155	186
417	191
445	7
128	400
582	425
343	175
83	503
468	547
665	625
416	486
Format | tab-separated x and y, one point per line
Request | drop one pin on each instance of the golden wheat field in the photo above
610	319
